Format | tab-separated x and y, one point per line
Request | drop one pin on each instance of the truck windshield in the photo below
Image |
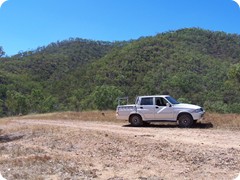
172	100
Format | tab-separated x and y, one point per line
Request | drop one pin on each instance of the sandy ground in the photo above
56	149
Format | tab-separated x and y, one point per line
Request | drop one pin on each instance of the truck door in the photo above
162	111
146	108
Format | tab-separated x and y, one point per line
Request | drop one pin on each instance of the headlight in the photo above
198	110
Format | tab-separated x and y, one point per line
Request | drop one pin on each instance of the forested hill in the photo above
193	65
56	59
27	78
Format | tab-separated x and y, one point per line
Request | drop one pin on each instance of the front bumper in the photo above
198	116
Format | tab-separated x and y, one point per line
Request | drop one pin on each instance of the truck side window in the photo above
158	102
161	102
147	101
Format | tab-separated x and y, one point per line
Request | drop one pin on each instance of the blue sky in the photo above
28	24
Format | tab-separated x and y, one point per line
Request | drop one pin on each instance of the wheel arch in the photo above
184	113
134	114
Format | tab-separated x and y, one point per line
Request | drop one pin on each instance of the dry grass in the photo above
81	116
223	121
219	121
4	121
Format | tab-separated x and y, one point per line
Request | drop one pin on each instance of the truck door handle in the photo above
157	107
141	107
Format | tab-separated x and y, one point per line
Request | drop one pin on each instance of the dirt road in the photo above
57	149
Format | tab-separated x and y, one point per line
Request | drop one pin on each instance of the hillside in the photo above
191	64
26	79
56	59
195	65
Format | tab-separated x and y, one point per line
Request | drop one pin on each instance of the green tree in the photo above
42	103
16	103
234	72
105	97
76	99
2	53
1	108
36	99
49	104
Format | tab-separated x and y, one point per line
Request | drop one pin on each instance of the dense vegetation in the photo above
193	65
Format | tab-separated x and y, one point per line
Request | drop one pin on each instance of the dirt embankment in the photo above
62	149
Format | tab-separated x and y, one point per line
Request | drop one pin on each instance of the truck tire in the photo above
136	120
185	121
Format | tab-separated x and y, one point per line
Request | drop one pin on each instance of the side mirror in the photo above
168	105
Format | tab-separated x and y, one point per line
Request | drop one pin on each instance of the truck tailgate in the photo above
124	111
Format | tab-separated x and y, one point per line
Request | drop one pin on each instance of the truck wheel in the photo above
136	120
185	121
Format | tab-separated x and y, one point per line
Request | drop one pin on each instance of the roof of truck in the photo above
155	96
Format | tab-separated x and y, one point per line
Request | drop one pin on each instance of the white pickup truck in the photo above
159	108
